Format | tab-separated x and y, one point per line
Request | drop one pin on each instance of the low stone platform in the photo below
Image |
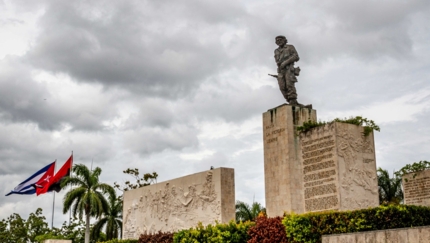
402	235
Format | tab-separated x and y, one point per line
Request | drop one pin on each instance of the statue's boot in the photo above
295	103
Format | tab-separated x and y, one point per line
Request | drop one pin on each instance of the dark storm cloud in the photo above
367	30
151	48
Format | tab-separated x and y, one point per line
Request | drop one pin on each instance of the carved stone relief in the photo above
359	172
173	206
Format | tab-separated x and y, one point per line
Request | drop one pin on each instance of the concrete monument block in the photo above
339	168
282	168
330	167
180	203
416	188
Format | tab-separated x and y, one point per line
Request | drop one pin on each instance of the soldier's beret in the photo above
280	36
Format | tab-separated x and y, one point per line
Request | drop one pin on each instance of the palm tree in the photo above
244	212
88	197
112	220
390	190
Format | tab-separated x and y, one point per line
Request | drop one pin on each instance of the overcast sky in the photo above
178	86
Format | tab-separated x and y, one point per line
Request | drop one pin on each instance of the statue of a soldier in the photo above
285	57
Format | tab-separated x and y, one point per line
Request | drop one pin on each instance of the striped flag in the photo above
28	186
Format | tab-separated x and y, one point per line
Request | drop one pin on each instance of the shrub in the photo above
159	237
311	226
231	232
267	230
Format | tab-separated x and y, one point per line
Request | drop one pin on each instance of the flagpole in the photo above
53	205
70	210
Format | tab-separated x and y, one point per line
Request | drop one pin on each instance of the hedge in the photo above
310	227
218	233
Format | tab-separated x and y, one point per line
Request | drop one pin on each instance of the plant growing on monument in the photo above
390	190
369	125
88	197
146	180
413	168
246	212
309	125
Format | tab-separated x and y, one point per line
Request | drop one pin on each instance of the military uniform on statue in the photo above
285	57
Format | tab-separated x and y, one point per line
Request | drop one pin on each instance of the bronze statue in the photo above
285	57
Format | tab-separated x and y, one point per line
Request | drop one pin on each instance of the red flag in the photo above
55	184
45	180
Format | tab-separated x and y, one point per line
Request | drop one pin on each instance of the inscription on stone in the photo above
272	135
319	174
417	190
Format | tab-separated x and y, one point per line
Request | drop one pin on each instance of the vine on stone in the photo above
369	125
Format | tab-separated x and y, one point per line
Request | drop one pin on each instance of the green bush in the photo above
311	226
119	241
222	233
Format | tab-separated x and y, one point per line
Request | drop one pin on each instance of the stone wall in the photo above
180	203
416	188
339	168
403	235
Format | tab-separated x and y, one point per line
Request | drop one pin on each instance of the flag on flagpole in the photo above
28	187
45	180
55	183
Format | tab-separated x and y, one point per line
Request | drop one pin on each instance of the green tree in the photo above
111	220
19	230
75	231
245	212
36	225
88	197
390	189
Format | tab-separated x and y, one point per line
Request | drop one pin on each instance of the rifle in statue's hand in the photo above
273	75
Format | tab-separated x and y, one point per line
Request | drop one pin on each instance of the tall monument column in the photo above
282	167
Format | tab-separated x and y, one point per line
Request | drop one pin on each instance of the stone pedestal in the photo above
416	188
282	168
180	203
331	167
339	168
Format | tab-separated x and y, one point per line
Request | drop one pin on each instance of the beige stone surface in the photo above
180	203
339	168
57	241
332	167
282	169
403	235
416	188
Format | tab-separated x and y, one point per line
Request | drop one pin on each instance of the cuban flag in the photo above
28	186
